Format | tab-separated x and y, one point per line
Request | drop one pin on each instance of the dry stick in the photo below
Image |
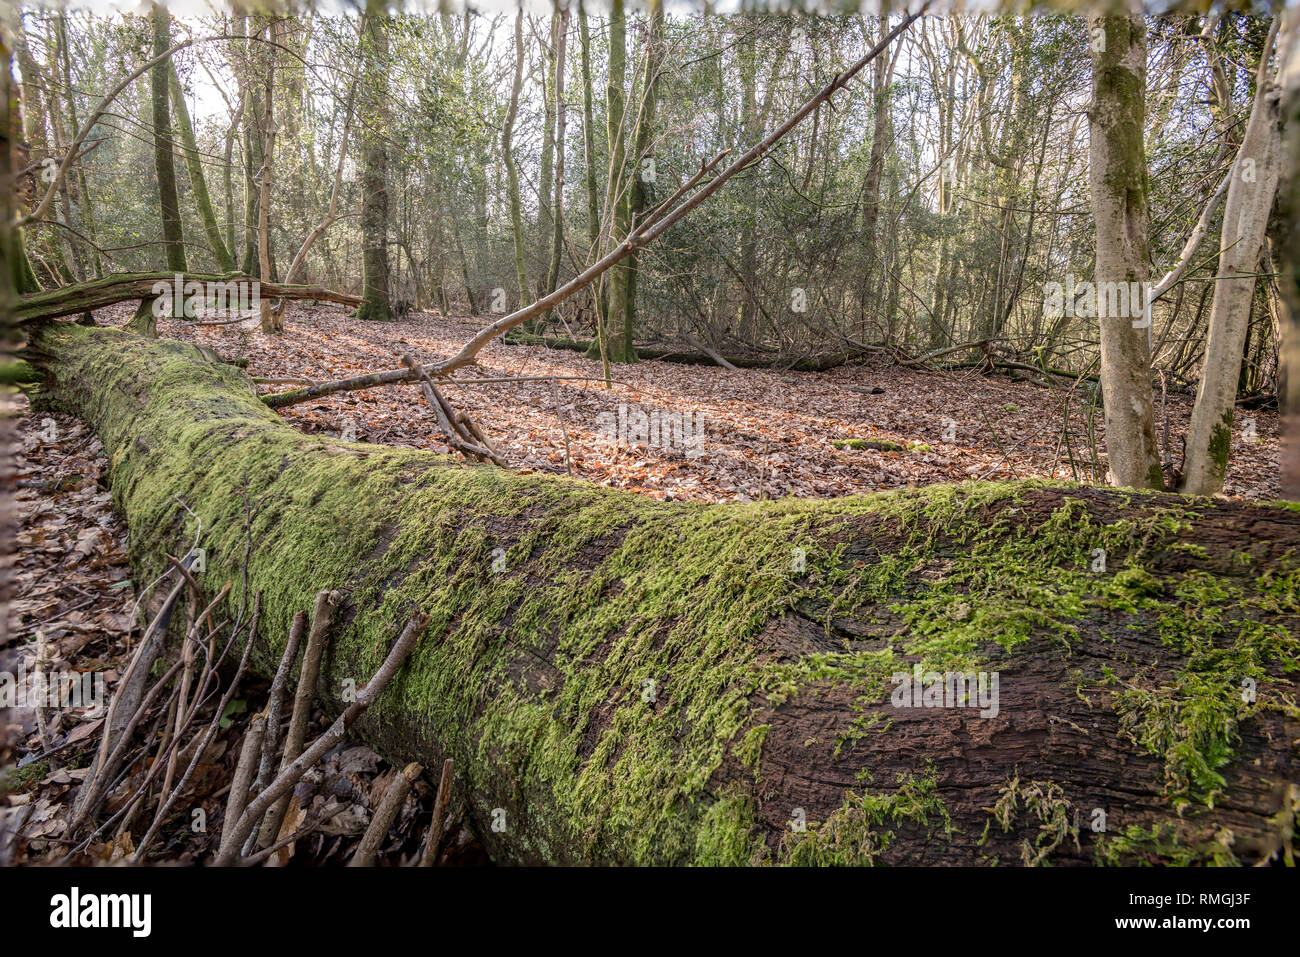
183	714
206	739
656	224
297	835
183	709
275	710
364	856
326	602
457	438
564	425
289	776
248	756
468	424
440	804
127	812
100	769
38	676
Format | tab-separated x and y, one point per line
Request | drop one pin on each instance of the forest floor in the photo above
768	434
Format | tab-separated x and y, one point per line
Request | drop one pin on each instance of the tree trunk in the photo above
600	294
507	154
168	199
83	194
1118	175
198	183
374	174
561	113
643	140
630	681
1246	210
545	185
272	321
1289	280
620	326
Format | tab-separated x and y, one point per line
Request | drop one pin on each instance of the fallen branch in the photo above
440	804
80	297
322	613
290	775
461	432
389	805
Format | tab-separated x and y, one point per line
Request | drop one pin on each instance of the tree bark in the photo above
507	154
374	174
1118	175
168	199
1246	210
119	287
620	329
642	143
621	680
198	183
1289	281
561	113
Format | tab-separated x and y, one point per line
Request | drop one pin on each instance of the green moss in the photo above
1161	845
1045	805
1221	443
856	833
879	445
750	750
726	836
592	656
18	780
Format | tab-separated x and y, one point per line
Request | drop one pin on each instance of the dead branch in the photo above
394	795
289	776
248	757
459	429
440	804
322	613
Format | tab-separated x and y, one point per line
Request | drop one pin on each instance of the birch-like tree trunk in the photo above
557	228
1251	192
1118	175
643	141
620	326
1289	281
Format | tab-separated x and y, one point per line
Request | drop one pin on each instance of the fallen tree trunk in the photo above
123	287
698	356
624	680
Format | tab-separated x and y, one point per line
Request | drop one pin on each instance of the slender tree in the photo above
374	171
198	183
507	156
621	349
168	199
557	229
643	166
1251	191
1118	177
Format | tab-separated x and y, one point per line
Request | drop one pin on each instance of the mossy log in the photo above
122	287
622	680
